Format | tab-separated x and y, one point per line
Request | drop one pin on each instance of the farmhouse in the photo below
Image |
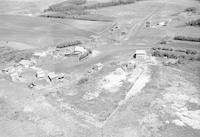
52	76
140	54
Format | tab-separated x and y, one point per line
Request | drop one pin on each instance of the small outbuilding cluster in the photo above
26	72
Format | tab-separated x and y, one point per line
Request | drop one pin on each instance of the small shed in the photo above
99	66
96	67
163	23
61	76
140	54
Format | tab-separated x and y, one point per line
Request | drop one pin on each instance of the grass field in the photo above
25	7
41	32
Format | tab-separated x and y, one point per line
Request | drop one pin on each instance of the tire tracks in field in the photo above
140	24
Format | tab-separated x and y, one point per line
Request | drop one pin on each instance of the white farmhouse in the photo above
52	76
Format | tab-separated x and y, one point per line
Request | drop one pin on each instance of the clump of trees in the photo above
180	54
69	44
190	9
79	6
194	23
79	9
158	53
77	2
54	15
184	38
109	4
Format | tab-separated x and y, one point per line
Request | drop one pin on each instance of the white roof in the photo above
41	54
140	52
80	49
99	64
163	23
40	73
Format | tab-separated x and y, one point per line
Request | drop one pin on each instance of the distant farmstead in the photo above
140	54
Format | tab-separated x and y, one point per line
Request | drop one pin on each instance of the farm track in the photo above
135	29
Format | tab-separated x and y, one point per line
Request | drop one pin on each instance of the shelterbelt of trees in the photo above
79	9
82	5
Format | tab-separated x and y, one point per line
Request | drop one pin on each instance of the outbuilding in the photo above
61	76
40	74
163	23
140	54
